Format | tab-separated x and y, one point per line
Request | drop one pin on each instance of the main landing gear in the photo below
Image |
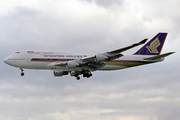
77	77
85	74
22	73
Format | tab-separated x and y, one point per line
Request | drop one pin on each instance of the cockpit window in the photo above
17	52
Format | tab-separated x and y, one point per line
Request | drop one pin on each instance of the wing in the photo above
95	62
127	48
109	56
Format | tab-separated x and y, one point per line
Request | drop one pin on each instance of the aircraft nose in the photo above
8	60
5	60
11	60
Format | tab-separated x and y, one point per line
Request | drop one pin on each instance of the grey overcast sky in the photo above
149	92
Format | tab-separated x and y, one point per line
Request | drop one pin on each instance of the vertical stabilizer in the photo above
154	46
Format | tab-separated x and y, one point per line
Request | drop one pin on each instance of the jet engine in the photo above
60	73
71	64
100	57
74	73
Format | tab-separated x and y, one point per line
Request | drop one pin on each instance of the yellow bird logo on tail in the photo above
153	46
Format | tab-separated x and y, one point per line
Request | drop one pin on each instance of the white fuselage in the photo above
47	59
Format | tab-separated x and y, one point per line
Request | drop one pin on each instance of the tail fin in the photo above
154	46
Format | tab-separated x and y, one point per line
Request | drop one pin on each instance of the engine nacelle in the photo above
74	73
71	64
100	57
60	73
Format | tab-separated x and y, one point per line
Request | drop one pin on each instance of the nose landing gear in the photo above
22	73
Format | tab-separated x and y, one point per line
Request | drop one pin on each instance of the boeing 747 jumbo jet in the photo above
77	64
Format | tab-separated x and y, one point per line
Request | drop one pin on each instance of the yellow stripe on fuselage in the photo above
126	63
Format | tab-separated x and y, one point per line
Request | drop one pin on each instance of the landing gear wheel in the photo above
89	75
22	74
84	75
78	78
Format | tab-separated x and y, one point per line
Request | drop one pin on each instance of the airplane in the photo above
81	64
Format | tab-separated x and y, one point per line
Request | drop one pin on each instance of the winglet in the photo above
143	41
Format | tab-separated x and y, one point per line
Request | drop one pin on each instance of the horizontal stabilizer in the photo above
159	56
